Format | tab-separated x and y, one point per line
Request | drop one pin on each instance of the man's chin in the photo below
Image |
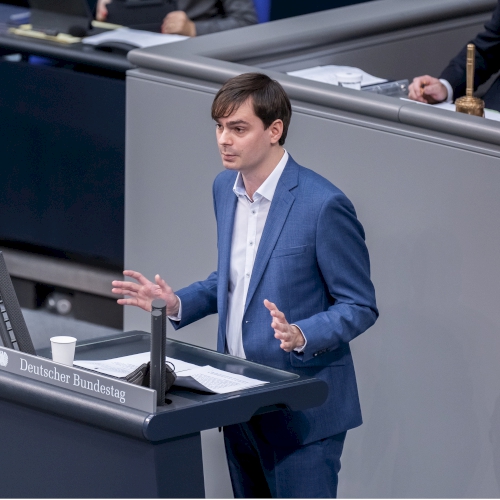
230	164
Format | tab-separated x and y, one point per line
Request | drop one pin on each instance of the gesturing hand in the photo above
144	292
289	335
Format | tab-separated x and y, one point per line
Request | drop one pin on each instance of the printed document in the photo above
326	74
210	379
202	378
138	38
121	367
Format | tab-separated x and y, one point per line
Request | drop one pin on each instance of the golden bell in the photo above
469	104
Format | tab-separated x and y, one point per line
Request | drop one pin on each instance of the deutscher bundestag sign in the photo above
78	380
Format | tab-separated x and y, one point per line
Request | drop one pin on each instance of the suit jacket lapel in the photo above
278	212
225	222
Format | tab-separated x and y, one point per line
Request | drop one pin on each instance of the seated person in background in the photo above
452	81
200	17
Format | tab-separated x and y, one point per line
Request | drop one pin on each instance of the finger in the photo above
165	287
135	302
286	346
126	285
270	305
121	291
279	316
435	92
137	276
281	328
282	336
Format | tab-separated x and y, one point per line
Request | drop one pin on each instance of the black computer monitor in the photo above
14	333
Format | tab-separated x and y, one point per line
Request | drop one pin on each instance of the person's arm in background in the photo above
487	57
452	81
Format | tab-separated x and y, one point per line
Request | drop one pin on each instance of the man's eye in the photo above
239	130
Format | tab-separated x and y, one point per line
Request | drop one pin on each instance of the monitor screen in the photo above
14	333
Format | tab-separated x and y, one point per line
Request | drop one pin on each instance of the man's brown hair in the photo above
270	101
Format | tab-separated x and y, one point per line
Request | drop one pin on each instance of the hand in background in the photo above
143	292
427	89
178	23
101	12
289	335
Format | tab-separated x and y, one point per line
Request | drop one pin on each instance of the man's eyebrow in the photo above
237	122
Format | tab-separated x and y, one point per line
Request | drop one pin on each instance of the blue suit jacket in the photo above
312	262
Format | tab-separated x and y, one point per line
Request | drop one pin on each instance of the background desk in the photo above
62	146
425	186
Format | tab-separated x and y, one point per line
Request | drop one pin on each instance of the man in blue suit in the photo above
292	289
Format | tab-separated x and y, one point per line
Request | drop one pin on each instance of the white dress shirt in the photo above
249	220
446	83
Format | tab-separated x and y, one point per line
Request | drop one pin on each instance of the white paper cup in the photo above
350	80
63	349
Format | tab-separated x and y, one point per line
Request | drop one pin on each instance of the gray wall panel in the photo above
437	44
428	371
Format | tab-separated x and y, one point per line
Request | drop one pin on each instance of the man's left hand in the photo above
178	23
289	335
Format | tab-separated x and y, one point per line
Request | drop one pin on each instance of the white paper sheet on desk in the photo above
326	74
138	38
489	114
123	366
214	380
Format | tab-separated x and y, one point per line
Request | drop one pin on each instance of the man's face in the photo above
243	142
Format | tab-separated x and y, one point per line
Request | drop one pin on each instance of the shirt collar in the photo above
268	187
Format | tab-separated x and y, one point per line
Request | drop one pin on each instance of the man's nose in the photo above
224	137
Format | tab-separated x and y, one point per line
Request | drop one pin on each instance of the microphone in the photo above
158	374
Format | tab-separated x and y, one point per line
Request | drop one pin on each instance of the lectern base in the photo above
43	455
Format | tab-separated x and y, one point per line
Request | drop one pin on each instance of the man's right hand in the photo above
101	12
142	292
427	89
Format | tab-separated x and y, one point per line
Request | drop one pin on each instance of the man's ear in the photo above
276	131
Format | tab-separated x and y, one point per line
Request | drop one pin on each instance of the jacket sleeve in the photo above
487	57
198	300
237	13
343	260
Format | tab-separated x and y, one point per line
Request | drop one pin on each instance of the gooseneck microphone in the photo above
158	375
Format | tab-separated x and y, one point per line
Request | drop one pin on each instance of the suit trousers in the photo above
259	469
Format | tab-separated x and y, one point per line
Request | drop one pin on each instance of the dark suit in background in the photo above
487	63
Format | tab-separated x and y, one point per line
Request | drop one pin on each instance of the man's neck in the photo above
253	180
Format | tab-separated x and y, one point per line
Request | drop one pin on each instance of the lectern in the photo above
59	443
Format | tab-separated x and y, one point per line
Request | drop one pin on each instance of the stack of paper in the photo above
202	378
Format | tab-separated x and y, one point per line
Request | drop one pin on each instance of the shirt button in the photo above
253	211
251	243
247	275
